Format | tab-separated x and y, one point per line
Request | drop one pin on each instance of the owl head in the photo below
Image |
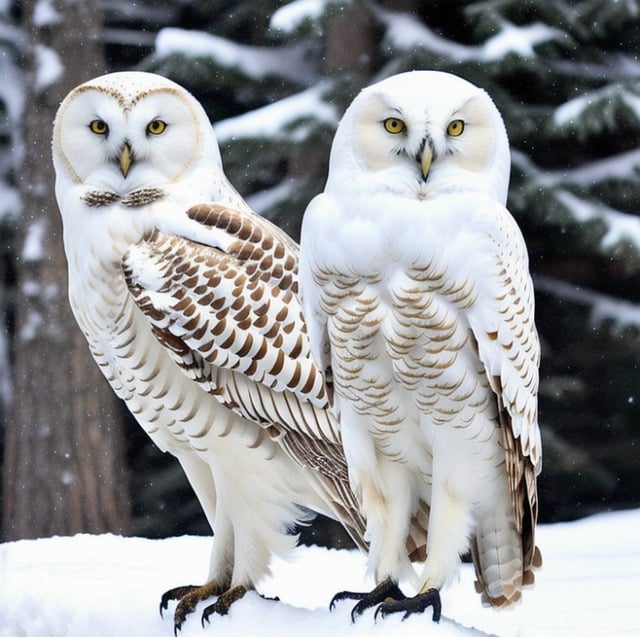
421	133
126	131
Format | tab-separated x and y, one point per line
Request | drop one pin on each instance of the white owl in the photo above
191	314
415	287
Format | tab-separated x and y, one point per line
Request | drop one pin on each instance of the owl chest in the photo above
409	338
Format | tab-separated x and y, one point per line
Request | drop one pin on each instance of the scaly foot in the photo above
222	605
411	605
387	590
188	597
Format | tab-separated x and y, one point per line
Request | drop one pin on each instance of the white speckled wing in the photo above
232	322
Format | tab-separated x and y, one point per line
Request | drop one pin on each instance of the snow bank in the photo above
107	586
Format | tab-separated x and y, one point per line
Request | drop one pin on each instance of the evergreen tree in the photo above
276	76
564	77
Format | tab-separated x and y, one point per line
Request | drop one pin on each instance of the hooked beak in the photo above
125	160
425	158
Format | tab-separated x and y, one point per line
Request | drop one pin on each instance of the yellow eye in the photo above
156	127
99	127
455	128
394	125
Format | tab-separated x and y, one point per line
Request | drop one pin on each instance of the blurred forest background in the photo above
275	78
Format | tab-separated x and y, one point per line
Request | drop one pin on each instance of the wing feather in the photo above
229	317
503	325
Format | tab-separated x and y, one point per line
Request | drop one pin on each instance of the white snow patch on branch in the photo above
273	119
12	89
622	166
263	200
45	14
33	249
620	226
49	69
255	62
571	111
602	307
290	16
33	322
405	32
10	204
519	40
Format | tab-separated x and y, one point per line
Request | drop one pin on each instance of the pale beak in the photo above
125	160
425	160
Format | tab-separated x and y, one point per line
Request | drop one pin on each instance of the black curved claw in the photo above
174	593
411	605
387	589
342	595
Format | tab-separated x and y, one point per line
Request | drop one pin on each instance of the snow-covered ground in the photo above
109	586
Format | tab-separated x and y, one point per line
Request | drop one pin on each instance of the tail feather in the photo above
503	563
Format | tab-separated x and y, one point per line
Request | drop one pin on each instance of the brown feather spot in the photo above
256	294
218	304
295	379
297	348
243	313
191	324
262	309
246	347
229	342
206	299
279	364
183	301
251	370
219	327
261	353
311	381
266	263
242	251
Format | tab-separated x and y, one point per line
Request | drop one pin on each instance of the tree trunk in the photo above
350	43
64	468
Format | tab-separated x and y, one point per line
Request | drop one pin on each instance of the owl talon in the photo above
222	605
188	598
388	589
174	593
411	605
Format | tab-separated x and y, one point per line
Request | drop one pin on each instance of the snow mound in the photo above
107	586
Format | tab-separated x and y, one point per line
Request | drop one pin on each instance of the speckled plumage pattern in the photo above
415	287
191	314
